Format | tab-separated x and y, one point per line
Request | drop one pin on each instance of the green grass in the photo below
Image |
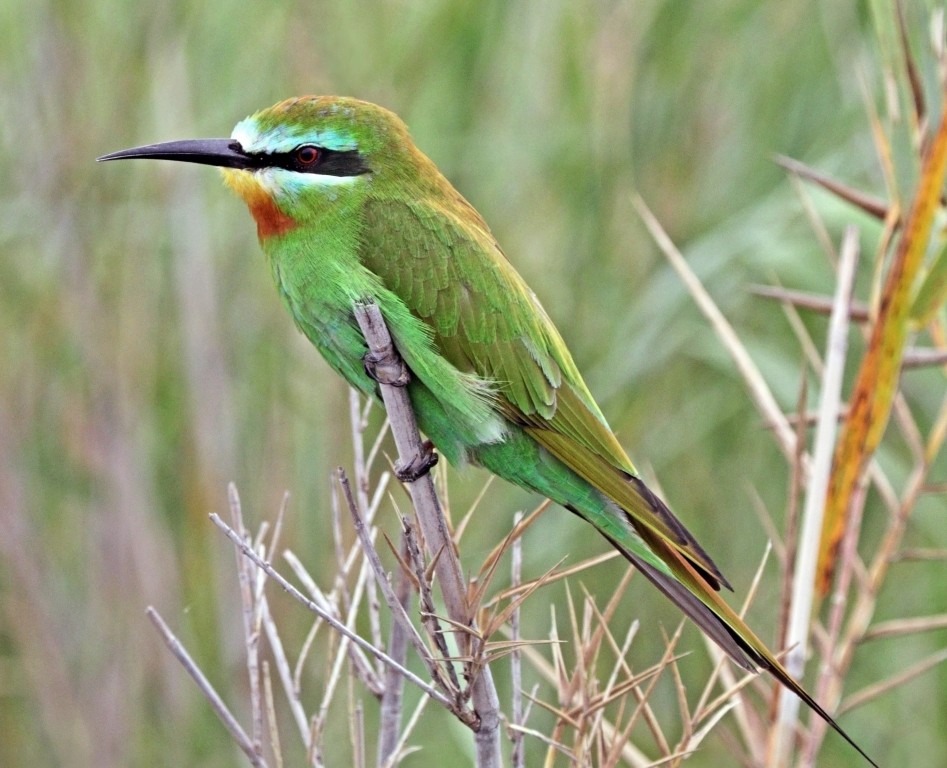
146	360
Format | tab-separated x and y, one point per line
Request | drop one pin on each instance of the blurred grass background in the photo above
146	360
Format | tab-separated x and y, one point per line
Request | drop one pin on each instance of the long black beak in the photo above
223	152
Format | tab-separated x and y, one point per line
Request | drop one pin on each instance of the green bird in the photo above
348	209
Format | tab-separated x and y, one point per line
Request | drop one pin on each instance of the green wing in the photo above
443	263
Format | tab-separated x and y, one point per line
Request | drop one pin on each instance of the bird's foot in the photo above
386	368
419	466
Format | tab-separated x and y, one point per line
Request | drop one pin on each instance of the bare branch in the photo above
271	716
434	527
389	744
517	758
217	704
858	311
286	675
251	635
900	627
337	625
804	576
753	378
873	206
906	675
391	600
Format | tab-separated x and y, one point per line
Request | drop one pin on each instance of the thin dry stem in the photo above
395	605
759	390
803	590
433	522
273	727
872	692
217	704
518	756
389	741
250	629
327	617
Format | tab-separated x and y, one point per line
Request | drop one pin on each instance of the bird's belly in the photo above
339	341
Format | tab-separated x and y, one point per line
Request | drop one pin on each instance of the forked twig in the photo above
325	615
434	527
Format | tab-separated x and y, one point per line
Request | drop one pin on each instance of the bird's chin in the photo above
270	219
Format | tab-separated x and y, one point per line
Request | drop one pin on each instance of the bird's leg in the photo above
387	368
420	465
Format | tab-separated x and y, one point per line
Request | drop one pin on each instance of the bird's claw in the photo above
420	465
386	368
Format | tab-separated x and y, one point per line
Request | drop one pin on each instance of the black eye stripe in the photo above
331	162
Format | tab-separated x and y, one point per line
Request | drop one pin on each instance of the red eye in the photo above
307	156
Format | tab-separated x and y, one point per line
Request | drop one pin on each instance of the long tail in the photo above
675	563
640	526
720	622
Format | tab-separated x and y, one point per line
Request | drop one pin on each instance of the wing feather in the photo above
487	322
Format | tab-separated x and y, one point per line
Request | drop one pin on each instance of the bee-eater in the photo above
348	209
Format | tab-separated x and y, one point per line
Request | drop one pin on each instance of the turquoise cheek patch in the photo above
285	138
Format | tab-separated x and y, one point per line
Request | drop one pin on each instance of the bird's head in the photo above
303	156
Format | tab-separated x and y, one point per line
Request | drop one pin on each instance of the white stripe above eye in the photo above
285	138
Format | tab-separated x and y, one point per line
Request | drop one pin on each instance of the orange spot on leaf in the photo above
876	384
